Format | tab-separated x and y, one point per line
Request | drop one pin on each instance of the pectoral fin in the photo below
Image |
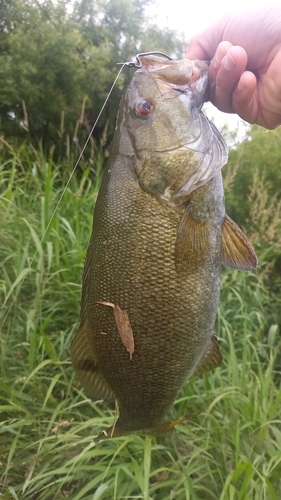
192	243
210	359
236	251
87	368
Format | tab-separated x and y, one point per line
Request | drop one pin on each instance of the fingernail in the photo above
219	57
240	85
228	62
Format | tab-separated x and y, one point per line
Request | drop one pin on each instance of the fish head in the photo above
162	103
164	127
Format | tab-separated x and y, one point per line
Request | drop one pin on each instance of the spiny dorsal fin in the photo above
86	282
82	349
236	251
192	243
211	358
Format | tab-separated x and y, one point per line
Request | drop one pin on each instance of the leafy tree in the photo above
58	61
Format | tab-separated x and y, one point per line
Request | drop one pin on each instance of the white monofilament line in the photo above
65	188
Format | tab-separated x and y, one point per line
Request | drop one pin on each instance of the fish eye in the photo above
143	109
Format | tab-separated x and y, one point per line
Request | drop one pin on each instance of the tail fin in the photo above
116	430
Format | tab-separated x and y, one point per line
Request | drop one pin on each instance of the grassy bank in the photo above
231	451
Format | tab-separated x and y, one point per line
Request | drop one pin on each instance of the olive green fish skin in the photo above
131	260
172	315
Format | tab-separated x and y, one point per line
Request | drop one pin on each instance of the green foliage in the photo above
231	451
253	196
258	155
58	61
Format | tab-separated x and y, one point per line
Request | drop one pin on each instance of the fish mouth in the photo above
176	76
178	72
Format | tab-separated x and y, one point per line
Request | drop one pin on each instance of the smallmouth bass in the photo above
151	281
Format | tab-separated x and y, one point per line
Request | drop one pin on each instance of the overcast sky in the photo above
191	16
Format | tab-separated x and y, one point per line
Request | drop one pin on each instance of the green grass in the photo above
231	451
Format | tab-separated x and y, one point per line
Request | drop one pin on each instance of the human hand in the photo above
245	69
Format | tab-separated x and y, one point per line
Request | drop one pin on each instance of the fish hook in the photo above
138	64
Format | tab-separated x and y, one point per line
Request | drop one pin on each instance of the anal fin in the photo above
211	358
87	368
236	250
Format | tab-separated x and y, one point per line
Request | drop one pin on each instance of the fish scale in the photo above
155	255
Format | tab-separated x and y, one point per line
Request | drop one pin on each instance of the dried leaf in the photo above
123	326
64	423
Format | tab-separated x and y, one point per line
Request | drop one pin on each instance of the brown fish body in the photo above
155	252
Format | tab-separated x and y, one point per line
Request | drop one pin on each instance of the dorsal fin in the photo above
82	349
236	250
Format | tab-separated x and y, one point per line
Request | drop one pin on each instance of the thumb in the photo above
203	46
195	50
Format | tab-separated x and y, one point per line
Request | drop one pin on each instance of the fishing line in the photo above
63	192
